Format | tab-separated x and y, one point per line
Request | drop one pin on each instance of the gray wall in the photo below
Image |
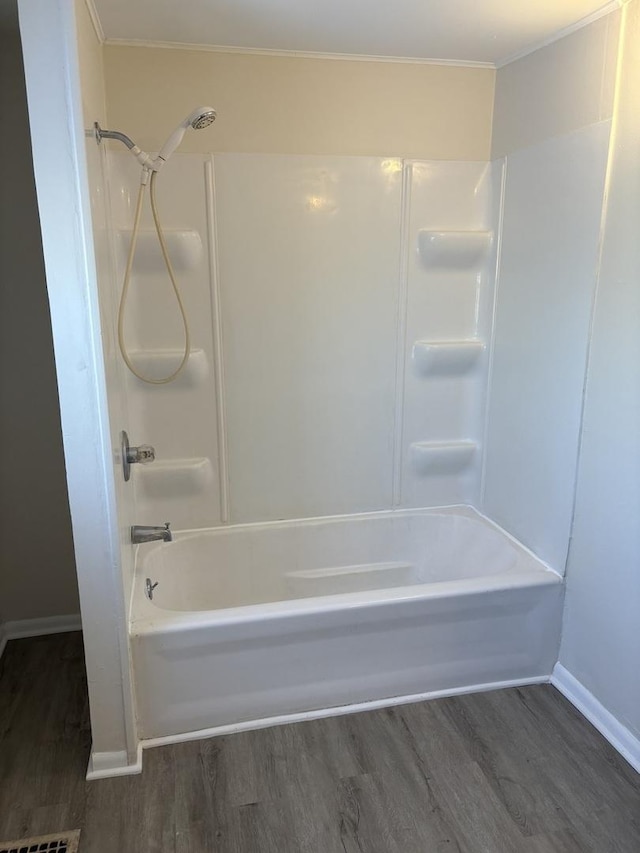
601	636
37	568
554	91
556	94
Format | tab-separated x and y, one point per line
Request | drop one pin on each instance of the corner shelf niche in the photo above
175	477
184	247
442	457
446	358
156	363
456	250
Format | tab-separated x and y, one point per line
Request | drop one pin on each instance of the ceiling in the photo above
486	31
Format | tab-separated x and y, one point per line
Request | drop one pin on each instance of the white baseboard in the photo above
337	711
618	735
105	765
22	628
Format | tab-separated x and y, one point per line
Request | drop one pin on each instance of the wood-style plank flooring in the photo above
503	772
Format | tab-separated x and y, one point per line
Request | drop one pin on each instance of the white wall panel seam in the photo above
218	346
401	334
492	331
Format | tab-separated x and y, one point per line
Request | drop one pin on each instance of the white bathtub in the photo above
252	623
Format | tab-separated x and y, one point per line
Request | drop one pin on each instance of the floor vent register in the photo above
65	842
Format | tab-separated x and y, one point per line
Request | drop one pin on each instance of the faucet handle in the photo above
130	455
143	453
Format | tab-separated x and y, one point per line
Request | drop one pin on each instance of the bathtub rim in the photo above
148	619
174	621
463	510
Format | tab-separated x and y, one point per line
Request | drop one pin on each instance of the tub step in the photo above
339	579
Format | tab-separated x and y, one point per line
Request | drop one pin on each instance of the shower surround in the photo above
322	453
341	312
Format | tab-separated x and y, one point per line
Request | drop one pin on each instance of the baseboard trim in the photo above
337	711
106	765
21	628
618	735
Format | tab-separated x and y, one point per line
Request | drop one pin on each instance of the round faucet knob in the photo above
143	453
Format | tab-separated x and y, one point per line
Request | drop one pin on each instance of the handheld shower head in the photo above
199	118
202	117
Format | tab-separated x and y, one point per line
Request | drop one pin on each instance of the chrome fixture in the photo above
130	455
142	533
101	134
149	587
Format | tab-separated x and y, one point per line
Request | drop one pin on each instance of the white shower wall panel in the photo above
179	419
447	302
308	254
307	298
550	244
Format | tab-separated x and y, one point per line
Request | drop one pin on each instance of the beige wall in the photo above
290	105
37	568
91	61
557	89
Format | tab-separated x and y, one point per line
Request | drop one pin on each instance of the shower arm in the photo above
141	156
112	134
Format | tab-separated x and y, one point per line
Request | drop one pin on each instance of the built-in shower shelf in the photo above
453	249
184	248
446	358
442	457
157	363
175	477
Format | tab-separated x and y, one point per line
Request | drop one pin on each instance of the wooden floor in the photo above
514	770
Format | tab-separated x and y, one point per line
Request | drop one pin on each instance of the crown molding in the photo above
610	7
295	54
95	20
607	9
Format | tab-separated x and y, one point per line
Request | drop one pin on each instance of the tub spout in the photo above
141	533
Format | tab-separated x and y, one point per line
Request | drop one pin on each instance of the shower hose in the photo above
127	280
